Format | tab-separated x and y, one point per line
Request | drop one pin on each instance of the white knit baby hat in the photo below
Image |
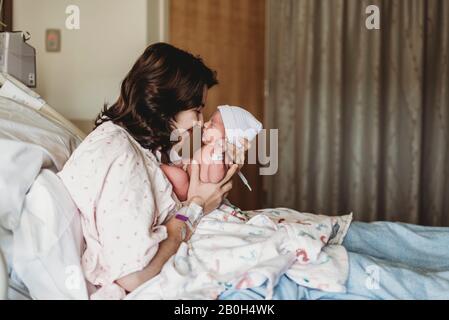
239	123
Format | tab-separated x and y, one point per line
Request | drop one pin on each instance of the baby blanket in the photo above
244	249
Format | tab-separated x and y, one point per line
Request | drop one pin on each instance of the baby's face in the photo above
214	129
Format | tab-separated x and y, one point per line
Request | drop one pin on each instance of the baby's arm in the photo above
211	171
216	172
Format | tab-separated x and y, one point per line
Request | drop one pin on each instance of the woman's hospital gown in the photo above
124	199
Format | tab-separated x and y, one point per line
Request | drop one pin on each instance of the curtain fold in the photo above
362	114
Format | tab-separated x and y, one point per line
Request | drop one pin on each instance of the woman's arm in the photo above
212	194
167	248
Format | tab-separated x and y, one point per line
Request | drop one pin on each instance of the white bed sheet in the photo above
49	243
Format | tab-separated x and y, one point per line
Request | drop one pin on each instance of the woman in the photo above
165	90
114	179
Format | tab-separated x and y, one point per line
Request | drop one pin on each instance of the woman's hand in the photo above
237	155
209	195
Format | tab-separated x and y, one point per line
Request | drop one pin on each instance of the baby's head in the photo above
231	123
214	129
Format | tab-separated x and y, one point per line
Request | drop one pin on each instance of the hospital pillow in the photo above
48	244
21	123
28	142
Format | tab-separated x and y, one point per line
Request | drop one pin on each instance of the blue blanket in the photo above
386	261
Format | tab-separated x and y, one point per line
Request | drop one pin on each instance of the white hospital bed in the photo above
22	94
40	233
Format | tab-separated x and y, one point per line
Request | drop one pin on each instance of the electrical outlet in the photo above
53	40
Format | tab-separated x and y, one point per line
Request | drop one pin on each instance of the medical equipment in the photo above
244	180
219	157
17	57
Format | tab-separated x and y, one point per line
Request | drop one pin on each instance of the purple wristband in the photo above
181	217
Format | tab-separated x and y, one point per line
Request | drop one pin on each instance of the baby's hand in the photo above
237	155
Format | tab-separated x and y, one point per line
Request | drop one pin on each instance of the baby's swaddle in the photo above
236	249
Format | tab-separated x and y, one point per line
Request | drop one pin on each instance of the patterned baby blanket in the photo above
239	249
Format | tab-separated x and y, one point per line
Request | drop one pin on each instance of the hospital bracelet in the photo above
184	219
191	215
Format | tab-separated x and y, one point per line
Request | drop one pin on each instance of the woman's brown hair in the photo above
164	80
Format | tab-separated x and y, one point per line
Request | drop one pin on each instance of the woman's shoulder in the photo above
106	134
108	139
104	145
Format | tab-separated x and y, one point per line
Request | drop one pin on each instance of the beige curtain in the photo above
363	115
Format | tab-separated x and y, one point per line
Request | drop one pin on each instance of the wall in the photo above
94	59
230	37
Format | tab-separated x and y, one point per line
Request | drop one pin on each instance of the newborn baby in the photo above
227	124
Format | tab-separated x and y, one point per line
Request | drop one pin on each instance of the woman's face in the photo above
187	119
